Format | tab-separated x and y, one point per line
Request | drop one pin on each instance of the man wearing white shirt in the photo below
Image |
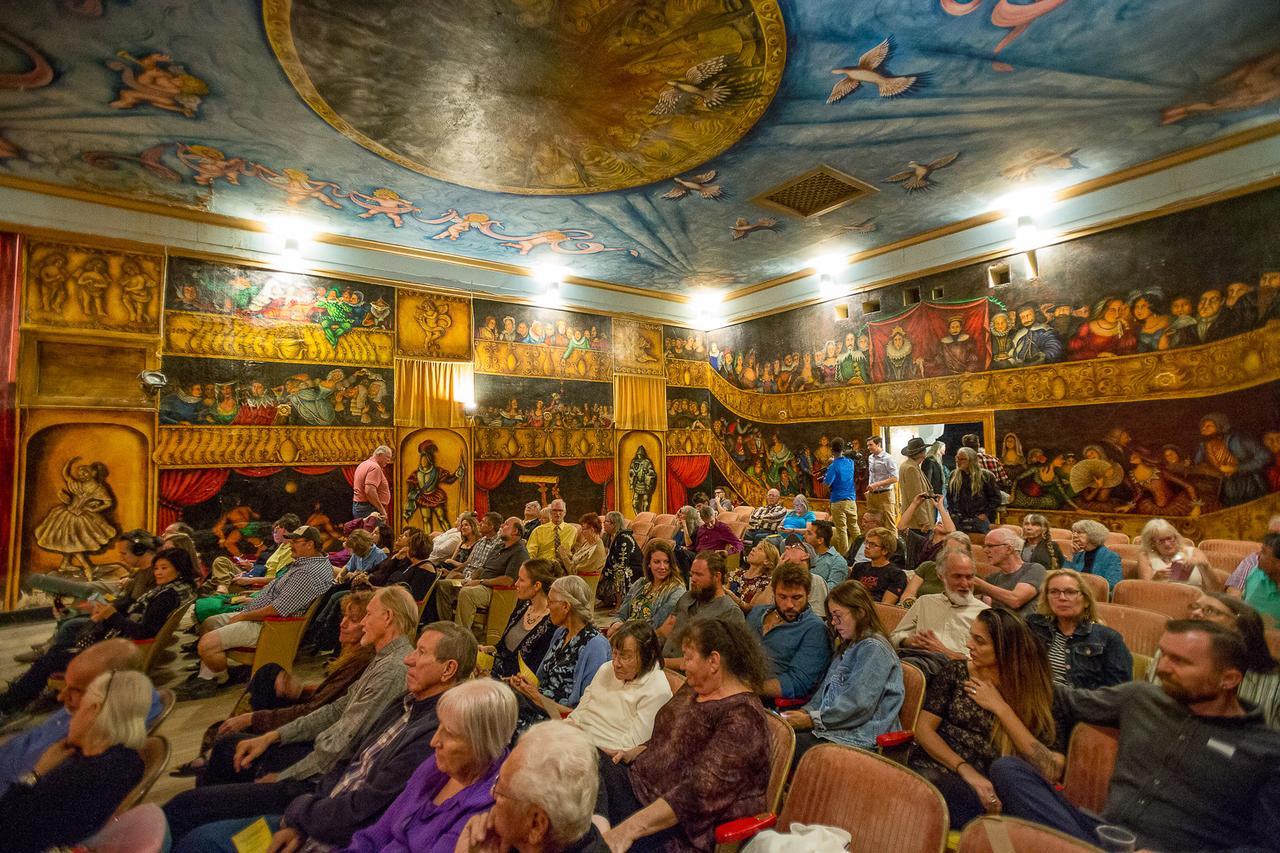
940	622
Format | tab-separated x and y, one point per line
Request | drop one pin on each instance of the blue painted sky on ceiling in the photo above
1078	89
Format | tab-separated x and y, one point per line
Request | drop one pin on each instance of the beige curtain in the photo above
640	402
431	393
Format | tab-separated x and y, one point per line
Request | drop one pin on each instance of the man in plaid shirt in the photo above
992	464
290	594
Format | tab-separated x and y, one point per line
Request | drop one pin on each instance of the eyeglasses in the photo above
1195	608
1063	593
990	545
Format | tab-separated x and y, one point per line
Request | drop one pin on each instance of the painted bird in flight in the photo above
889	85
701	184
742	227
697	83
1040	158
866	226
916	175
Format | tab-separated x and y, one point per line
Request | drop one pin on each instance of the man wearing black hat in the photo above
290	594
912	482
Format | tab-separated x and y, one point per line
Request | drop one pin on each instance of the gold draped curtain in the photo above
431	393
640	402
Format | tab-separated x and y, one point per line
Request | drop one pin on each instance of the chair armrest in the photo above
782	703
734	831
889	740
504	587
300	618
148	641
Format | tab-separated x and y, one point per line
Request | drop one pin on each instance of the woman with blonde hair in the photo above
1082	653
972	494
1163	556
653	597
577	650
749	582
80	780
998	702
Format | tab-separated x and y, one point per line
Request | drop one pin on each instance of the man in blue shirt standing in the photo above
844	510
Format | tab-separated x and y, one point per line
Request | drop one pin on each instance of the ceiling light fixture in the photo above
1026	234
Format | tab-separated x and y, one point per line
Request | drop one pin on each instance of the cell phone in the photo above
98	598
1179	571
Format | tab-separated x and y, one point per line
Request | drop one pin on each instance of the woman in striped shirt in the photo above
1082	653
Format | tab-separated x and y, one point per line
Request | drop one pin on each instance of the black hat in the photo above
915	447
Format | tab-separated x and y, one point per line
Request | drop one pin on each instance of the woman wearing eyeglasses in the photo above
1082	653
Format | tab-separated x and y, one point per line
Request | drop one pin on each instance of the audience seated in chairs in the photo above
1082	652
870	520
653	597
713	534
409	564
1037	545
312	744
706	597
587	553
708	759
272	559
973	496
329	810
277	697
20	752
794	638
939	624
451	549
1091	556
79	781
289	594
135	618
1262	587
827	563
923	545
543	798
999	702
884	580
798	518
576	651
1163	556
925	581
499	569
1260	687
861	694
489	542
765	519
1248	566
1195	770
1015	584
618	707
528	632
532	518
751	583
622	563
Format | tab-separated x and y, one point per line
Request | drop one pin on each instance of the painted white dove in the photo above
676	92
742	227
1040	158
866	226
890	85
916	175
701	184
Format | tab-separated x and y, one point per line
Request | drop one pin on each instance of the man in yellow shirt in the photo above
546	540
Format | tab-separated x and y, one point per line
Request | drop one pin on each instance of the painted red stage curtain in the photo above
925	327
684	472
601	472
488	475
181	489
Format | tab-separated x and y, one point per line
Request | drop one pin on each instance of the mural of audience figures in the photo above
242	511
688	408
508	401
1147	287
1166	457
336	306
567	331
791	458
205	391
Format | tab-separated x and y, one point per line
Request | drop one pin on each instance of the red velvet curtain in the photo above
684	472
181	489
8	384
601	472
488	475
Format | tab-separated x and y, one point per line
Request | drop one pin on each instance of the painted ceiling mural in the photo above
632	137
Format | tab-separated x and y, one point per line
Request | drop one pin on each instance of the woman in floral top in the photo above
748	582
577	651
653	597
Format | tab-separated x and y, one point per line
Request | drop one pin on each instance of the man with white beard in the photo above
940	622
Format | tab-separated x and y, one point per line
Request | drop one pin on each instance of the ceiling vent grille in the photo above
819	190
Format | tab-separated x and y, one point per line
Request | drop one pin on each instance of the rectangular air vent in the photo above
819	190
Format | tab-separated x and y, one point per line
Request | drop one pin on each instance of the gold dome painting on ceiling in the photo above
531	96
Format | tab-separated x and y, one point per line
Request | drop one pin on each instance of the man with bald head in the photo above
500	568
19	754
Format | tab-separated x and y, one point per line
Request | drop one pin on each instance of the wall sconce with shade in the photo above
291	236
551	276
829	268
706	309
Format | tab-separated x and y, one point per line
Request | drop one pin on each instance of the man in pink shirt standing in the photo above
372	490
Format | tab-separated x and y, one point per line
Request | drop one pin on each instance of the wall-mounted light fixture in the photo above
290	236
830	268
706	309
551	276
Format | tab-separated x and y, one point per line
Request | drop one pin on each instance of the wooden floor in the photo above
184	728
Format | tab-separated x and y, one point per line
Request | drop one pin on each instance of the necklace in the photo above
531	618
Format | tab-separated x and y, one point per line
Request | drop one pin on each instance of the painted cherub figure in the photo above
159	82
52	279
384	202
210	164
92	283
136	289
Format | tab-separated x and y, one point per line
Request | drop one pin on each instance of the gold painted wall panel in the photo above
79	370
83	287
511	359
519	443
433	478
433	325
204	447
190	333
637	347
641	486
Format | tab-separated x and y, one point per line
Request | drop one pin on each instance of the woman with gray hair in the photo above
1037	545
1092	557
80	780
477	720
622	564
577	651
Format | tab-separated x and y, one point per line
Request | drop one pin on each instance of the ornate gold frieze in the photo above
519	443
1240	362
85	287
206	447
189	333
508	359
690	442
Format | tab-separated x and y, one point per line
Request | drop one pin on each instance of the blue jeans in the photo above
215	837
1024	793
361	509
62	585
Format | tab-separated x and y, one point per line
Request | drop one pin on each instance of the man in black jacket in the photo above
353	794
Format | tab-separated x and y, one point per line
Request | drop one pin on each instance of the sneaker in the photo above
29	657
196	688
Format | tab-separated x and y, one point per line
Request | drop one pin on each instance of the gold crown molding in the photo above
219	446
509	359
522	443
1247	521
1241	362
219	336
1217	146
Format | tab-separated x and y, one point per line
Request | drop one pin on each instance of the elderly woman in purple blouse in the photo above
477	719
